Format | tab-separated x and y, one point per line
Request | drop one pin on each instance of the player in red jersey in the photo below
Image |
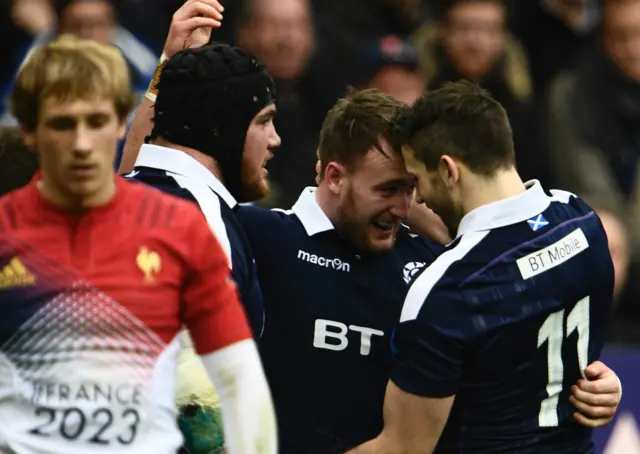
97	277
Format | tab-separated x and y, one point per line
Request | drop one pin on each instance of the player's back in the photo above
536	298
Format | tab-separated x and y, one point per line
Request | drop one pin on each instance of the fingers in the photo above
606	400
596	369
593	412
199	22
604	385
591	423
207	8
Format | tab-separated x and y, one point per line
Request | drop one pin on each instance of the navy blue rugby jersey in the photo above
329	314
507	319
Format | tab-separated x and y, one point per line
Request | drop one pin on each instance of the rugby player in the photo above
494	334
98	276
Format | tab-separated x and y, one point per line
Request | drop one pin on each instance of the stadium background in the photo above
567	71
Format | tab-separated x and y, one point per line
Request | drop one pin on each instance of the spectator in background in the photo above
95	20
18	164
391	66
619	249
553	33
594	120
470	41
594	124
282	34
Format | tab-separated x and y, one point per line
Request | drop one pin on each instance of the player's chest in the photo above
137	272
340	302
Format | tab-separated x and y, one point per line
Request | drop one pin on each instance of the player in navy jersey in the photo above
497	330
334	271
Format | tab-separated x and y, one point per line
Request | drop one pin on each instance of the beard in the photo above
254	186
443	205
359	230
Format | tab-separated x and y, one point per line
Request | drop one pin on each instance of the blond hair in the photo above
67	69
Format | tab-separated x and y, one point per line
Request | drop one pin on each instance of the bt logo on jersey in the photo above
337	332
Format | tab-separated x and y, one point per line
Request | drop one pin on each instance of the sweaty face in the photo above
262	139
76	142
433	192
473	38
376	198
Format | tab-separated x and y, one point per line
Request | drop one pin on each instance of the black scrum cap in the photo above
206	100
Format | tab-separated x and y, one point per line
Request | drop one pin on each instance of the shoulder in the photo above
253	217
442	279
424	246
178	211
161	180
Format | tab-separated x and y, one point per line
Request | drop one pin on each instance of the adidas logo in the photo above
15	274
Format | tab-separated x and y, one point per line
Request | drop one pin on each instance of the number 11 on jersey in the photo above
551	332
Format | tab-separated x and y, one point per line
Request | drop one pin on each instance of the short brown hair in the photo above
463	121
18	164
356	124
71	68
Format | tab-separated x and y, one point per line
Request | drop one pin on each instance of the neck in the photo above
74	203
483	191
202	158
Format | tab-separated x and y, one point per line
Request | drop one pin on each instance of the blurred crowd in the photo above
567	72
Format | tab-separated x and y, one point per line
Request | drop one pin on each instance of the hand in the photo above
33	16
192	24
596	399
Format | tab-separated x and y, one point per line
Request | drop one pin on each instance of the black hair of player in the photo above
463	121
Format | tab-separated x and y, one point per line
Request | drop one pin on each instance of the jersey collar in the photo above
310	214
506	212
177	162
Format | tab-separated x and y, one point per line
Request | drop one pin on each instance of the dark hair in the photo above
356	124
461	120
18	164
60	6
444	7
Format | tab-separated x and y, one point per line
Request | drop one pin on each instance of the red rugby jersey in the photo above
90	308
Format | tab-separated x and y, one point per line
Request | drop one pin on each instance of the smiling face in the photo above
433	191
374	197
262	139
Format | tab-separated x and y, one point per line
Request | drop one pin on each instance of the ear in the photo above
122	130
449	171
334	176
28	137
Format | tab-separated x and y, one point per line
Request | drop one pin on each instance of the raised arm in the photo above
191	27
221	336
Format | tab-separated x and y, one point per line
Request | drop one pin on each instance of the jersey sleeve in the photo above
211	308
428	345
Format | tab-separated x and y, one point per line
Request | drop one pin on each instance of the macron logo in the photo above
336	263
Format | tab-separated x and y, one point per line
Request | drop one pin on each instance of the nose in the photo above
274	140
83	141
402	205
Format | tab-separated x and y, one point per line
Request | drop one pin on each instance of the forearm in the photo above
247	410
142	121
426	223
140	128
